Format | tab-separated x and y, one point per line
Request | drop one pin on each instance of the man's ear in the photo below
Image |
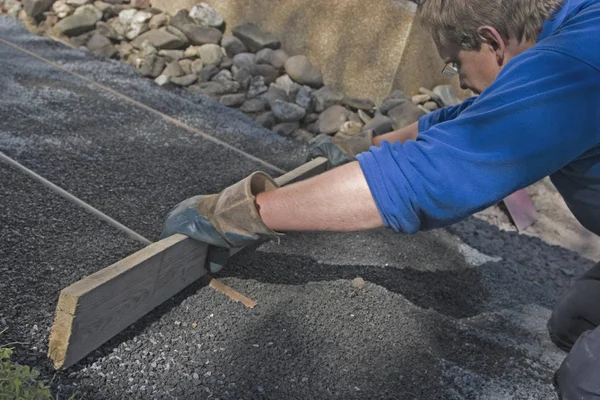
490	36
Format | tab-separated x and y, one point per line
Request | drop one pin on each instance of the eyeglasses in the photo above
450	70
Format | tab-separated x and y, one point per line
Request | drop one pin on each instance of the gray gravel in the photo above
429	323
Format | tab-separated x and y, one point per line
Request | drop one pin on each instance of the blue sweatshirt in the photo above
540	117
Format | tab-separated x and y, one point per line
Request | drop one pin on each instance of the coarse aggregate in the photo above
450	314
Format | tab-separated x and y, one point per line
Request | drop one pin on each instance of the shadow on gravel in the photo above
458	294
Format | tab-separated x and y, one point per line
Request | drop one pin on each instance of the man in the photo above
536	66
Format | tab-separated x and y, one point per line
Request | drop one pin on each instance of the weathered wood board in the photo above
98	307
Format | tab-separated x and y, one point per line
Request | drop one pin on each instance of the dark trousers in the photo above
575	327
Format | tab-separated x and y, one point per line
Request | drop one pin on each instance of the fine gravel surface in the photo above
451	314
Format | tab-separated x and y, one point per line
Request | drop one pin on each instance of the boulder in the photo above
89	9
286	83
197	66
152	66
35	8
226	63
331	119
172	55
287	112
264	56
173	70
244	60
181	19
161	39
286	128
253	106
257	86
199	35
254	38
223	75
359	104
278	58
405	114
266	119
75	25
267	71
186	65
158	21
106	30
211	54
304	98
388	104
276	93
185	80
380	125
62	9
327	97
301	70
232	45
101	46
233	100
207	73
205	15
210	89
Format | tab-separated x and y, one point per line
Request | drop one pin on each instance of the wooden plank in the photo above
98	307
521	209
305	171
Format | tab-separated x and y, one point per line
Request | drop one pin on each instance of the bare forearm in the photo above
409	132
337	200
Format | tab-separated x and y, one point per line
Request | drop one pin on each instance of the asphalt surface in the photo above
451	314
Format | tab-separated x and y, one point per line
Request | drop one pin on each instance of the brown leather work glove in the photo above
225	221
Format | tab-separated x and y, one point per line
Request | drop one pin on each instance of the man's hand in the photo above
340	149
225	221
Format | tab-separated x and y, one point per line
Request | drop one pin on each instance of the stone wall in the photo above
364	48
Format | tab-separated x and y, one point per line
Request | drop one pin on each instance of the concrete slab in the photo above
435	319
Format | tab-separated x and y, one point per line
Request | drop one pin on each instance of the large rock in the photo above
332	119
205	15
276	93
199	35
257	86
173	70
158	21
62	9
35	8
254	38
405	114
106	30
304	98
185	80
268	71
254	106
359	103
232	45
151	66
380	125
244	60
172	55
286	83
210	89
301	70
181	19
161	39
233	100
75	25
211	54
287	112
89	9
327	97
101	45
388	104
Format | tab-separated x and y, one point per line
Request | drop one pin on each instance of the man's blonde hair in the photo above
457	21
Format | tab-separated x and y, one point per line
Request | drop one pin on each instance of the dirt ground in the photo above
556	225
